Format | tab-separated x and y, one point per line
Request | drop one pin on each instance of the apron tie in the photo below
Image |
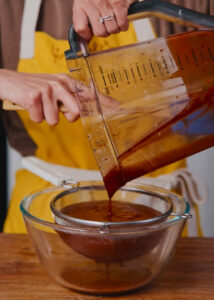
190	186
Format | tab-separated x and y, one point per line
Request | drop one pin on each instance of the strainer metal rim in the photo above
174	219
66	220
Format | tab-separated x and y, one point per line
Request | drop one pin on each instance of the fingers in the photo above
71	117
36	110
120	9
50	107
40	94
47	94
65	95
62	94
98	28
70	104
106	12
87	15
93	16
81	23
41	105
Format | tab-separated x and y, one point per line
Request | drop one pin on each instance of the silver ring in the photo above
107	18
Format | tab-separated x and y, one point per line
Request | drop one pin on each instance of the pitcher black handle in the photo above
170	12
151	8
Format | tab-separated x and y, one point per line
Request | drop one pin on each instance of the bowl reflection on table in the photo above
103	258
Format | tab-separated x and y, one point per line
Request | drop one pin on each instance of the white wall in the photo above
202	164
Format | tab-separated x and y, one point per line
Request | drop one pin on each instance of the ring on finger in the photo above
106	18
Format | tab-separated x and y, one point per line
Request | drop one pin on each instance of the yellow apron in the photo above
65	143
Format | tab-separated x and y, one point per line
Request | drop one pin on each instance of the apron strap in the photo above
28	27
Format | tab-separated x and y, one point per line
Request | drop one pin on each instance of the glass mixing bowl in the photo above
103	257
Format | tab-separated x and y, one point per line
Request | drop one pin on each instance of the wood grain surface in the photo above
189	275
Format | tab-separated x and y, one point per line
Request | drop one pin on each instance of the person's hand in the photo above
40	94
87	14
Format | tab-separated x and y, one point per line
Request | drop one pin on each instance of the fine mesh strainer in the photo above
95	193
81	192
114	241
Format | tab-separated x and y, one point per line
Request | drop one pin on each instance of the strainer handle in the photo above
182	215
144	9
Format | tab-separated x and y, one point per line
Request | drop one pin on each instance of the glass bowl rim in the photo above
143	187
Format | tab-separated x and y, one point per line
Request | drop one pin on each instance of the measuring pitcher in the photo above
149	104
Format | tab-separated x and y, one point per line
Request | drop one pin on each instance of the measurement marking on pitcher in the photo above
109	78
152	68
194	56
104	80
210	53
172	62
103	76
126	73
159	67
115	78
127	77
138	71
165	64
179	61
133	74
112	78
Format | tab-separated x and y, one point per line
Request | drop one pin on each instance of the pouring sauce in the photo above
187	133
166	108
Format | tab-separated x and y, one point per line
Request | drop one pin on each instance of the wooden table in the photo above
189	275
